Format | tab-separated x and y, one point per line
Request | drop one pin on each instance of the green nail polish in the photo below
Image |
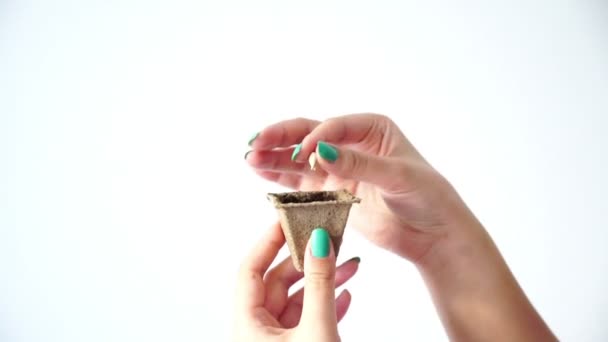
296	151
319	243
255	136
246	154
356	259
327	151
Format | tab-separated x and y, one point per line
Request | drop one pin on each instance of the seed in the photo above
312	160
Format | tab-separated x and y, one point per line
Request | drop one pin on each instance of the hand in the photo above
409	208
265	312
406	204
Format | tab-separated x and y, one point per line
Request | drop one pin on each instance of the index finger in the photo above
346	129
283	134
251	286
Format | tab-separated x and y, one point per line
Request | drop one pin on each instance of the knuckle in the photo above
300	119
358	164
402	168
337	125
402	173
381	117
320	279
332	121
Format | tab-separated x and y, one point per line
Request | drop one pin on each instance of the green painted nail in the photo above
327	151
255	136
356	259
296	151
320	243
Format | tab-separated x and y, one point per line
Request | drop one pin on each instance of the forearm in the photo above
475	293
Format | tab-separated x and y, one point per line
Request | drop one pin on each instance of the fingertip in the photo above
331	158
319	260
327	152
320	243
319	308
345	293
319	264
296	152
300	153
308	145
343	302
356	259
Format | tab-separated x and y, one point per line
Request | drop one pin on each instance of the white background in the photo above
126	206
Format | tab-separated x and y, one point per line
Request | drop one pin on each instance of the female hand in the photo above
409	208
265	312
405	204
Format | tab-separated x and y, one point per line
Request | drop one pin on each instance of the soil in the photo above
307	197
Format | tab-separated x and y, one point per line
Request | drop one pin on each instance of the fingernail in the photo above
356	259
246	154
319	243
296	151
255	136
327	151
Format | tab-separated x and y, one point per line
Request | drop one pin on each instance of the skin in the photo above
265	311
411	210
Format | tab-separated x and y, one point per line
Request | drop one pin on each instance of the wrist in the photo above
457	233
475	293
460	243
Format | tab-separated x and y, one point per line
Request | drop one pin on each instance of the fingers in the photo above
273	152
292	312
283	134
278	281
342	304
388	173
279	161
319	304
250	291
347	129
343	274
280	278
291	316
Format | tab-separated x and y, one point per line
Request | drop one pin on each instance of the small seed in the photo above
312	160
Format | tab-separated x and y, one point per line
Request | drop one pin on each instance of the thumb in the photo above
319	305
387	173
